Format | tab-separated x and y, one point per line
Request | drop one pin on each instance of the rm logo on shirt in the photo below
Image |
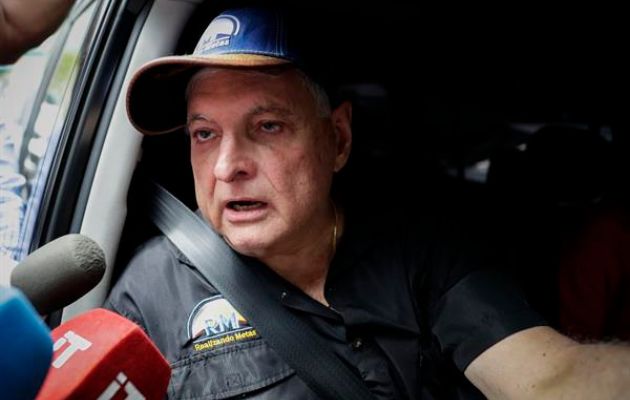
214	323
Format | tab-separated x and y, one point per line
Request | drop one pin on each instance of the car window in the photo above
35	94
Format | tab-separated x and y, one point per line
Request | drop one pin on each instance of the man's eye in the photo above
203	134
271	127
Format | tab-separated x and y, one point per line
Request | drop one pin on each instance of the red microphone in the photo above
101	355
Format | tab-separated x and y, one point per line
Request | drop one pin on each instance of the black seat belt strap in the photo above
232	275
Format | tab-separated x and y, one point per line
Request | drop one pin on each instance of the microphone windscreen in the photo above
26	347
101	355
60	272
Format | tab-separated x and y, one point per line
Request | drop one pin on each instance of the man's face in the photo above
262	157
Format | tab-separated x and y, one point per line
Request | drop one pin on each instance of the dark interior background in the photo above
436	91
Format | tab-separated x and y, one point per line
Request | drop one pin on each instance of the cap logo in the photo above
218	34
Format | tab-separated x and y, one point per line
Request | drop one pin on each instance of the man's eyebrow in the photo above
258	110
273	109
197	117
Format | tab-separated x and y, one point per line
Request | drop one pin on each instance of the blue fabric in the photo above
247	31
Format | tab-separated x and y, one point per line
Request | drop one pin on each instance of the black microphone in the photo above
57	274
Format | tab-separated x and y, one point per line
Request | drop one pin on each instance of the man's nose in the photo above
234	161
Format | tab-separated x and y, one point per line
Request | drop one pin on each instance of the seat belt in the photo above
239	281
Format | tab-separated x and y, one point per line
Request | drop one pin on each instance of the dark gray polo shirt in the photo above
410	309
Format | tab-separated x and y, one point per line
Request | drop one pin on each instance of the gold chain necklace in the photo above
334	240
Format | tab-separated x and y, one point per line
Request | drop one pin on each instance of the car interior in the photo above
513	125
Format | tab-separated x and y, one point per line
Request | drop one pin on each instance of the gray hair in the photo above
319	95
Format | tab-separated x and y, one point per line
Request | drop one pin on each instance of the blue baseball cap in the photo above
247	38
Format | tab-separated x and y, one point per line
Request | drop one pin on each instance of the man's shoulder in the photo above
156	267
158	252
155	264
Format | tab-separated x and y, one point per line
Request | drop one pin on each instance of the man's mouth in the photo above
245	205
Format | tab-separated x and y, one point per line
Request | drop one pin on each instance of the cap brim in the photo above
156	101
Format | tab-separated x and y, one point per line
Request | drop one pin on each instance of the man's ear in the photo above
342	126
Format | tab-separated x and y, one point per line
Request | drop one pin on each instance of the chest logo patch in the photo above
214	323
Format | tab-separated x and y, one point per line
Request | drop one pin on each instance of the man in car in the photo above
412	310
